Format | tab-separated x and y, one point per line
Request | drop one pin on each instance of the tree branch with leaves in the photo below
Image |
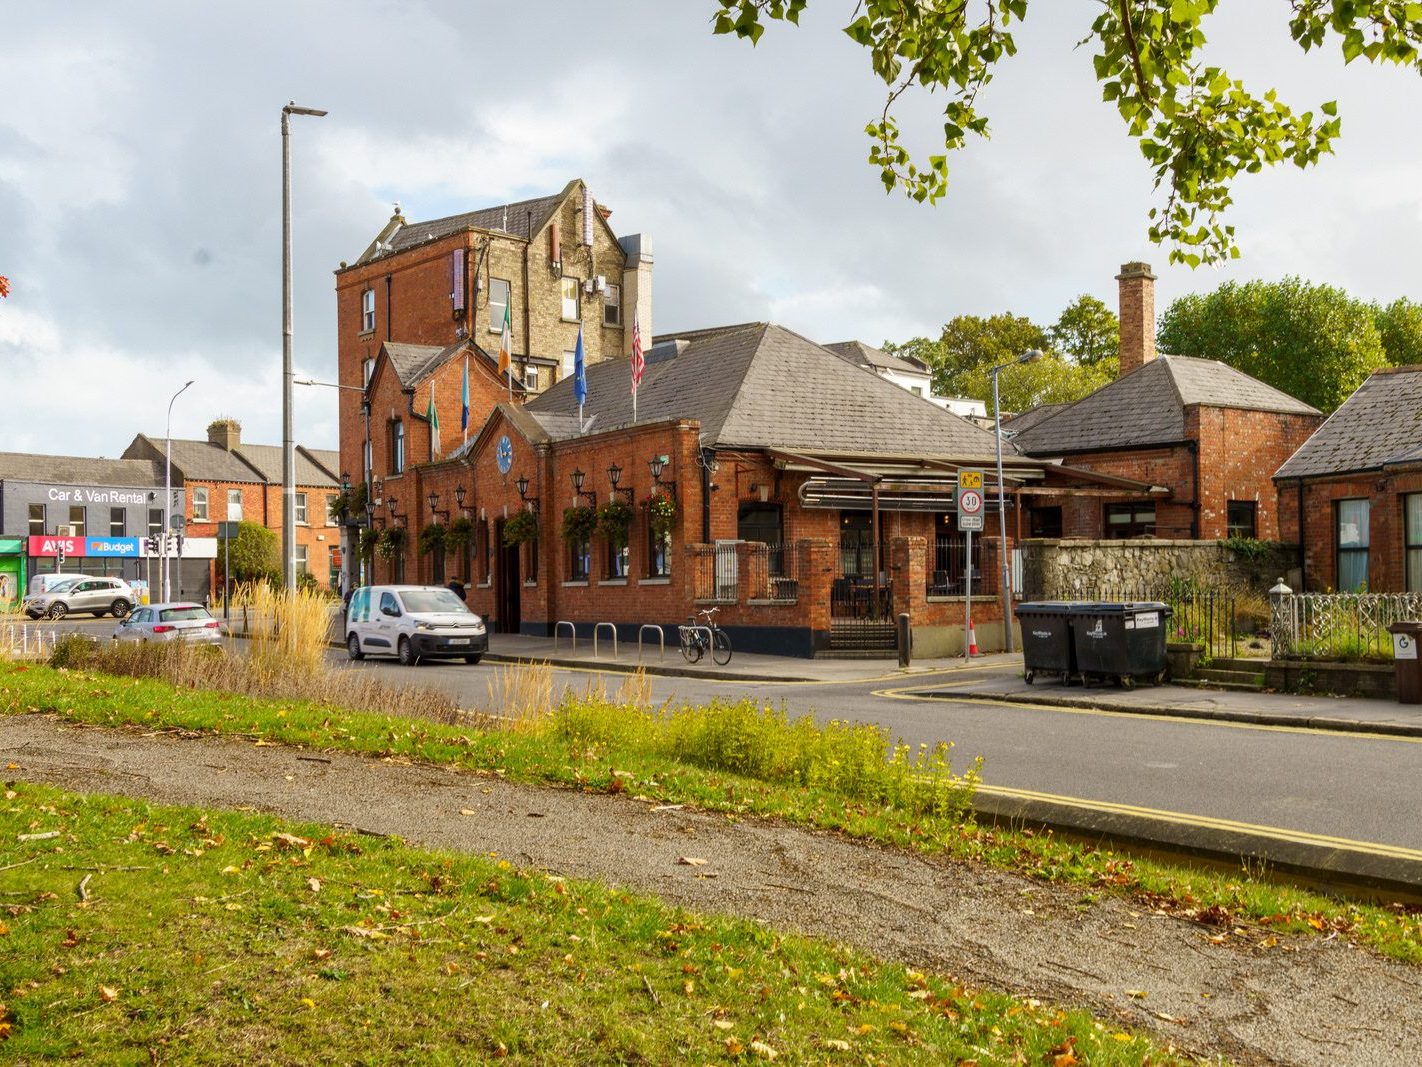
1197	126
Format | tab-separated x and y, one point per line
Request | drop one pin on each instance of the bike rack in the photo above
598	627
661	639
558	627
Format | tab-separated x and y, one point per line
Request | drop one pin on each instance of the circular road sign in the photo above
971	502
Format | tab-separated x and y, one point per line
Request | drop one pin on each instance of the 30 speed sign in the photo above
970	499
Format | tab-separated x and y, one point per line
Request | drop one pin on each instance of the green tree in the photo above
1400	327
1050	380
970	342
254	552
1197	126
1313	342
1087	331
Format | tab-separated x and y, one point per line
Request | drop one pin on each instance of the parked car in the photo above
49	581
170	622
94	596
413	622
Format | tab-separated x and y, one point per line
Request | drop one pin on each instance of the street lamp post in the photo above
1030	356
288	447
168	489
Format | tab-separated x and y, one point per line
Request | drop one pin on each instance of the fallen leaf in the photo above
37	837
764	1051
691	861
734	1047
314	884
292	840
837	1044
466	811
108	994
722	1024
1137	994
307	1002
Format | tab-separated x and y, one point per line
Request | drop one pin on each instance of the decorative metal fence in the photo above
714	573
1206	617
947	572
1339	625
783	577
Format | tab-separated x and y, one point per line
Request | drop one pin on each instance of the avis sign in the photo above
970	499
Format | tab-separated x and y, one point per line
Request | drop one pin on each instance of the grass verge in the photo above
597	744
140	933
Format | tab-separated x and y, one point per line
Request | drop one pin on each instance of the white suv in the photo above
98	596
413	622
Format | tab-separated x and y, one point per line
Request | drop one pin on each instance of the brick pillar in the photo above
908	566
817	566
1137	312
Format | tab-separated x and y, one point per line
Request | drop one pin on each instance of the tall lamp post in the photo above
288	447
168	488
1030	356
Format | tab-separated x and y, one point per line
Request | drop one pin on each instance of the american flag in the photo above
639	362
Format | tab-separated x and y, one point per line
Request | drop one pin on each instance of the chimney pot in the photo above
1137	313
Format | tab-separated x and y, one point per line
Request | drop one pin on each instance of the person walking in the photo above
456	587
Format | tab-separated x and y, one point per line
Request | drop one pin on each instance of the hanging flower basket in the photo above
369	541
391	543
614	519
521	528
457	535
431	538
579	524
661	514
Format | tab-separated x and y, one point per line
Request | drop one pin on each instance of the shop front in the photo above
12	573
126	558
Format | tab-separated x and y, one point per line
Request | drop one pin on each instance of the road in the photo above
1359	788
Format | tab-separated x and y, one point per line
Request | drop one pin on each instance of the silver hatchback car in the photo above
188	622
95	596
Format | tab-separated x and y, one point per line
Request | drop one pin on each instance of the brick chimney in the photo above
1137	312
225	433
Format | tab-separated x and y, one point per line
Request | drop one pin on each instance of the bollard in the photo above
904	638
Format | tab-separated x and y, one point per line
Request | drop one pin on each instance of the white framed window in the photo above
566	370
332	518
118	522
1353	537
367	311
302	566
301	509
78	520
397	447
234	505
155	522
530	376
367	369
570	289
199	503
499	290
1412	539
612	305
36	520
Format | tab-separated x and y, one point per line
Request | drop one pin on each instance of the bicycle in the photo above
696	638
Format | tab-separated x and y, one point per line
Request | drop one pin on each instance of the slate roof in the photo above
1380	424
413	363
1019	424
512	218
759	385
267	460
79	470
862	355
1147	407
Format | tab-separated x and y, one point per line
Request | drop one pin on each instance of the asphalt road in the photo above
1359	788
1348	786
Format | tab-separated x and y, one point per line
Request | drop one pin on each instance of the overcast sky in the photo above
140	182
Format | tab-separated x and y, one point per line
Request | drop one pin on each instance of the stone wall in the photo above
1070	570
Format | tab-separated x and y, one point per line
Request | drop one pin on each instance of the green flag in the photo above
433	416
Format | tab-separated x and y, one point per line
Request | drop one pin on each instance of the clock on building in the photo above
504	454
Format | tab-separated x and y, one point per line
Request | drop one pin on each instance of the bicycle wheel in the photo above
721	647
690	647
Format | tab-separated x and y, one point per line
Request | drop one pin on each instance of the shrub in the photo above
521	528
431	538
391	542
578	524
614	520
458	535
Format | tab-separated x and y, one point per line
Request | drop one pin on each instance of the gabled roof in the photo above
523	218
1379	425
267	461
1020	424
862	355
414	363
1147	407
79	470
759	385
202	460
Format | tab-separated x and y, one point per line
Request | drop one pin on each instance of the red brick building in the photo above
228	480
1351	496
1203	435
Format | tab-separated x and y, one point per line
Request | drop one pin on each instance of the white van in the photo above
43	583
413	622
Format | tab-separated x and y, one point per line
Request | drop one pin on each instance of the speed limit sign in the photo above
970	499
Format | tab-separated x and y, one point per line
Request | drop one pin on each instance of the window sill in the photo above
485	585
363	334
664	580
613	581
530	585
576	584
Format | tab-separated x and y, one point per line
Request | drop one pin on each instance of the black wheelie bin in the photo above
1046	638
1121	641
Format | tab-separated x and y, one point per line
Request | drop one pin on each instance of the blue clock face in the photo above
504	454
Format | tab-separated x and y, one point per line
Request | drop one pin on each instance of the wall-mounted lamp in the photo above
656	465
459	496
522	484
433	498
614	475
577	478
